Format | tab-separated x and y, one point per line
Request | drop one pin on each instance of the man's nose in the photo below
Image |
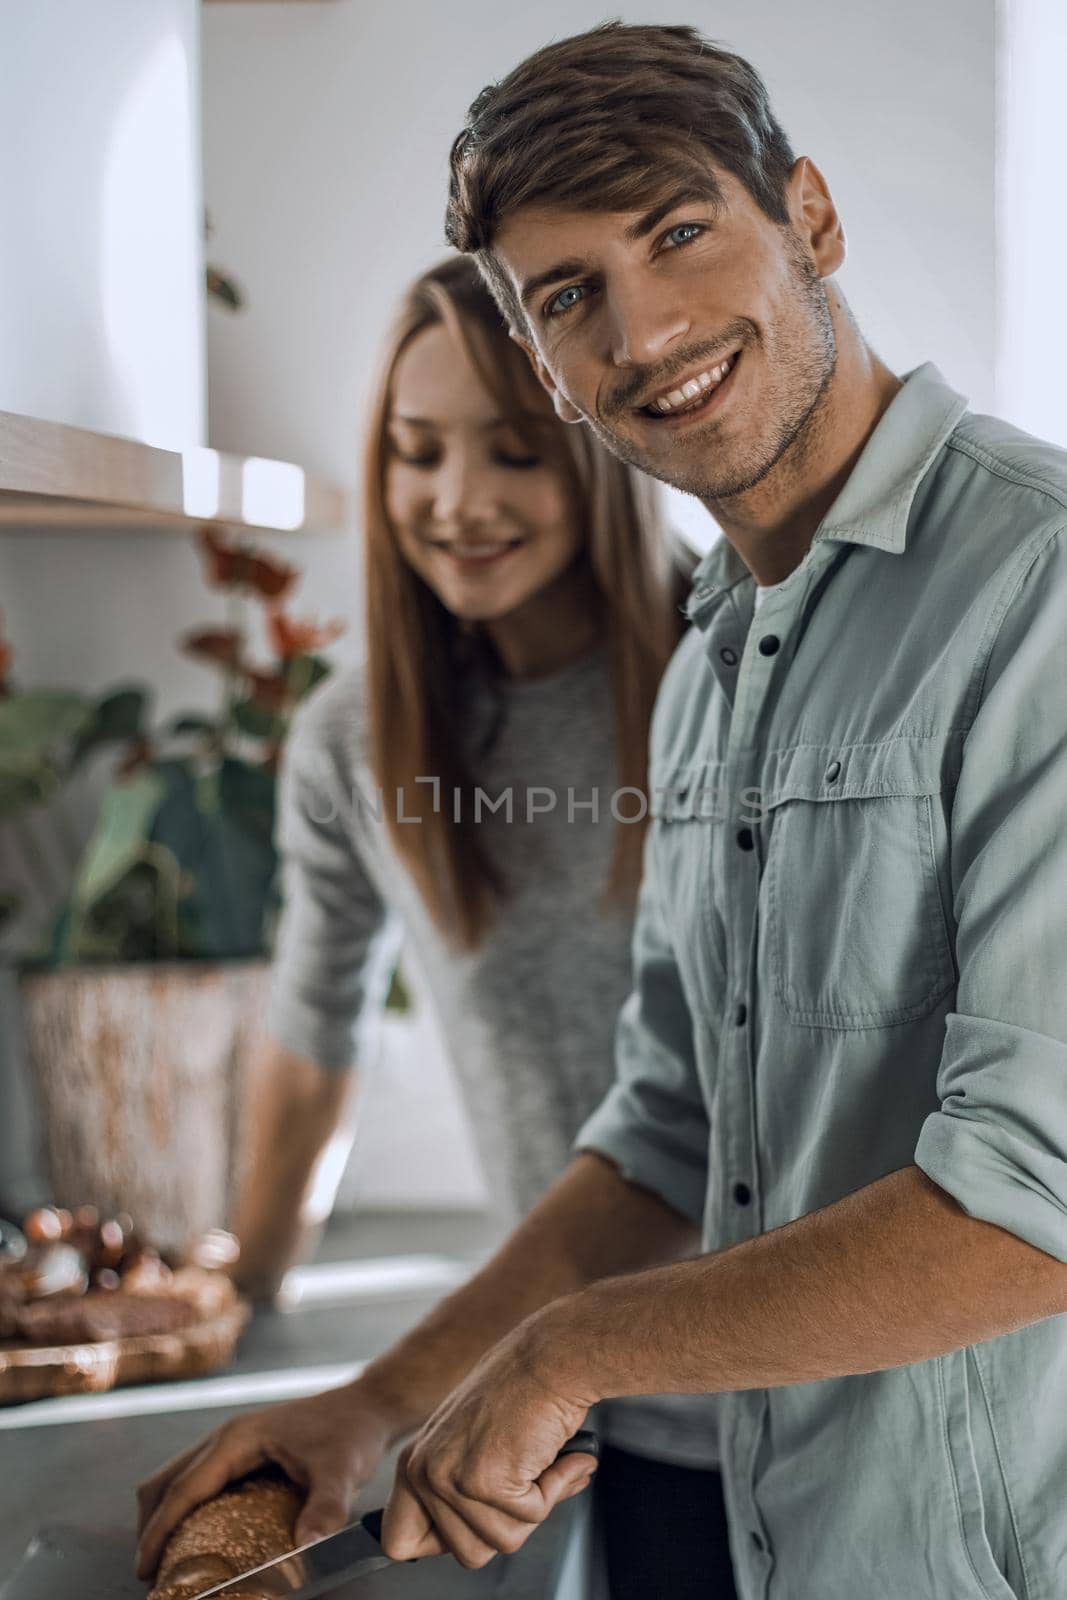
645	324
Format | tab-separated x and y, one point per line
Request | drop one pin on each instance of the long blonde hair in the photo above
418	651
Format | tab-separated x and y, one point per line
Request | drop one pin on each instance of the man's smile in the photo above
696	395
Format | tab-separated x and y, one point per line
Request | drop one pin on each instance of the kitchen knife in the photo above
342	1557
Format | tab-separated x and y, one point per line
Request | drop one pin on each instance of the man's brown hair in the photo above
611	120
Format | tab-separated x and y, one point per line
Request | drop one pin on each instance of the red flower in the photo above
241	567
221	645
268	689
290	638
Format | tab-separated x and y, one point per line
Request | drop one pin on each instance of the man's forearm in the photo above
592	1223
894	1274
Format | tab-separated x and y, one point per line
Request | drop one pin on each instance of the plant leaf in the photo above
121	835
399	997
39	719
237	889
25	781
257	721
305	672
10	905
247	795
118	716
190	722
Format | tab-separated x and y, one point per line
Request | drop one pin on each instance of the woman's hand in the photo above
330	1444
483	1473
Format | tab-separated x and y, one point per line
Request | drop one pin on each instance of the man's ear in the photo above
815	217
564	410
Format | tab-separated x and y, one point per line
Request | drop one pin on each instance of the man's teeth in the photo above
695	388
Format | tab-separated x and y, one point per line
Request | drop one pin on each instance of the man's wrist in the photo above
560	1351
391	1397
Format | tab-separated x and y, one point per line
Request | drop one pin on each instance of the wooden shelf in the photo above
54	476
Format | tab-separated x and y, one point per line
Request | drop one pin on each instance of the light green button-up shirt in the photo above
851	956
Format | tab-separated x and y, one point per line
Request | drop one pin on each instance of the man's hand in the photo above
591	1223
330	1444
483	1473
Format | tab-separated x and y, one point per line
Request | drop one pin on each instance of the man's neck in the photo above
772	525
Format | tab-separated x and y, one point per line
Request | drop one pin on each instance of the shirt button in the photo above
742	1193
769	645
728	655
745	839
741	1015
757	1541
833	772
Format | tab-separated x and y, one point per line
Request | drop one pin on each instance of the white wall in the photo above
102	311
101	320
1032	233
326	132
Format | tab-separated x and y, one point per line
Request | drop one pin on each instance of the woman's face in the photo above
481	517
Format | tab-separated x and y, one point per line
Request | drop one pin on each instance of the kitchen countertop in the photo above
84	1471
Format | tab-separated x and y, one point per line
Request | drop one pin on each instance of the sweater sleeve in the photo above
336	943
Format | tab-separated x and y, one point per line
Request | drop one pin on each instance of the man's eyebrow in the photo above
540	280
680	197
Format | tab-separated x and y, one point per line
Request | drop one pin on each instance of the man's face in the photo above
697	342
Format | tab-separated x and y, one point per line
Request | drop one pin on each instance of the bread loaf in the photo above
248	1524
185	1591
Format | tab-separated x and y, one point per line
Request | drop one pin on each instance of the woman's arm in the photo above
333	954
295	1108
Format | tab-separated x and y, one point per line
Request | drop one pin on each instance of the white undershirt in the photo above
762	591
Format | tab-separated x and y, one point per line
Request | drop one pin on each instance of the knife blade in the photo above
353	1553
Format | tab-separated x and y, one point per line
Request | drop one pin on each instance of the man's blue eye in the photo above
561	302
689	230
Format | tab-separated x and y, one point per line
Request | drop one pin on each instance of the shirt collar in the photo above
875	503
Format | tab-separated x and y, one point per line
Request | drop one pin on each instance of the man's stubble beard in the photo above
807	375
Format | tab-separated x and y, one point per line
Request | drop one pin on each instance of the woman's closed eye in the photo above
423	459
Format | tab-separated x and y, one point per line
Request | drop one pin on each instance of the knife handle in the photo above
373	1523
585	1443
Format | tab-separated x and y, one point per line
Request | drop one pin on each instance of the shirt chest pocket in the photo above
854	929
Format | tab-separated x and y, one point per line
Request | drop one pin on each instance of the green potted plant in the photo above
142	1005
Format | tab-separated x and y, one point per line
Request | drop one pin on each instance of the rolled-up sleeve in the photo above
652	1122
998	1143
336	944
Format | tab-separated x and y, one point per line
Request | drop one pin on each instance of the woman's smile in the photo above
475	555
